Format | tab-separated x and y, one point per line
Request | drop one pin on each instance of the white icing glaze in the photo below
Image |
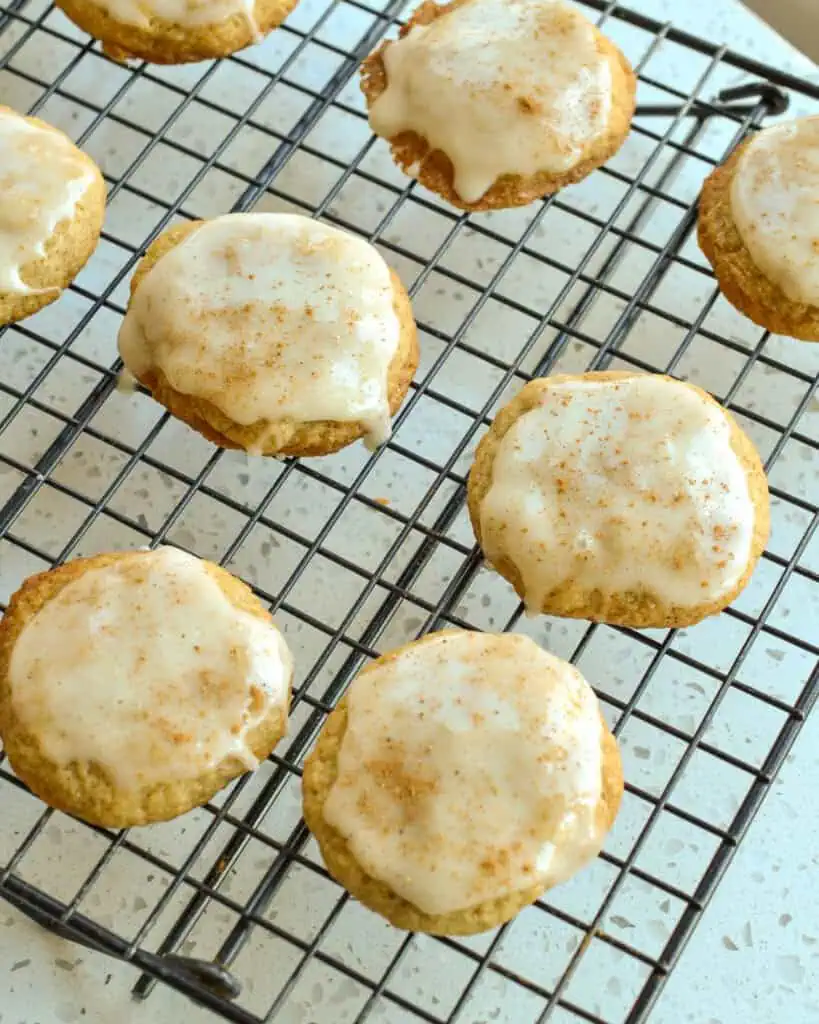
188	13
270	317
620	485
146	668
470	769
775	205
501	87
43	177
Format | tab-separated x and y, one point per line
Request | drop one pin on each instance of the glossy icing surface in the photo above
620	485
145	668
470	769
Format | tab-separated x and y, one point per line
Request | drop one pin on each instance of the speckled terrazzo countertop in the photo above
754	958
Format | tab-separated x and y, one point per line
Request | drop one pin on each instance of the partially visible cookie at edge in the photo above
758	225
496	103
51	217
135	685
633	499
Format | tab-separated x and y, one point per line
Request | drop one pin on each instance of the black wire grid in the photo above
239	883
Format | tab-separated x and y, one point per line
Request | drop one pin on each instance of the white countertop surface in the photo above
754	958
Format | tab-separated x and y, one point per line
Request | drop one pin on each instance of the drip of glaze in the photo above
43	178
127	384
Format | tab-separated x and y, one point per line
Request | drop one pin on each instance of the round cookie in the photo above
758	226
134	686
626	498
51	217
176	31
459	778
496	103
271	332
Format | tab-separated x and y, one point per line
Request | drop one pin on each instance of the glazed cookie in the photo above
619	497
271	332
461	777
495	103
759	227
176	31
134	686
51	216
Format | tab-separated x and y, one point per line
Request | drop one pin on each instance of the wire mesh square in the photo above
358	553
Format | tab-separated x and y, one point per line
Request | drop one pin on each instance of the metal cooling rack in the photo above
357	553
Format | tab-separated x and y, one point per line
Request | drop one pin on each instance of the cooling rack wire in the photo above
360	552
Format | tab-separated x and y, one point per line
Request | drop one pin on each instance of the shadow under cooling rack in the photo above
359	552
